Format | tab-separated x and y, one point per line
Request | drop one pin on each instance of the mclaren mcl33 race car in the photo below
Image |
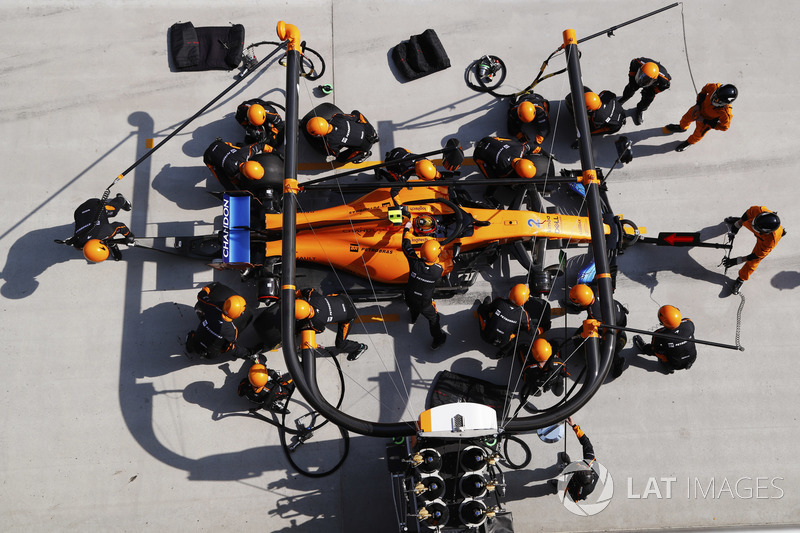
364	236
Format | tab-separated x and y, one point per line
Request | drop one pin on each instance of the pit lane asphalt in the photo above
107	425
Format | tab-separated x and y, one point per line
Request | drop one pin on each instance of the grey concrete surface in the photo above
108	426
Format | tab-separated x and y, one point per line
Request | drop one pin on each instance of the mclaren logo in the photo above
595	501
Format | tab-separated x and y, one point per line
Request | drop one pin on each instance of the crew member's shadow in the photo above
642	263
187	187
224	400
31	255
643	150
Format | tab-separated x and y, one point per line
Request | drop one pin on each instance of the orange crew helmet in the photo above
541	350
581	295
646	75
258	377
524	167
252	170
526	111
302	310
669	316
95	251
519	294
318	127
426	170
431	250
256	115
593	102
234	307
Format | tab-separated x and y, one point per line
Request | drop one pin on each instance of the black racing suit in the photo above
400	171
278	388
216	336
91	222
649	93
224	159
676	354
539	378
270	132
334	308
350	137
495	156
608	119
212	297
580	487
540	124
422	279
501	321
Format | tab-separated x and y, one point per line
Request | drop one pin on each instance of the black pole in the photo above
305	375
598	353
673	337
436	183
610	31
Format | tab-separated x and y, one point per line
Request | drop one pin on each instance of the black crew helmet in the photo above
582	483
724	95
766	222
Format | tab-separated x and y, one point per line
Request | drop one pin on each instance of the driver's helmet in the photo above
424	225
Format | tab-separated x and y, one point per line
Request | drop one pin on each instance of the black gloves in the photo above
732	261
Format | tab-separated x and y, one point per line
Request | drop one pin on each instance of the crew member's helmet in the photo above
258	377
541	350
95	250
524	167
303	310
431	250
519	294
234	307
526	111
766	222
424	225
252	170
647	75
593	102
318	127
426	170
582	483
581	295
669	316
256	115
724	95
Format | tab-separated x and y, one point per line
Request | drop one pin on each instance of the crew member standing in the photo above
712	111
649	76
674	353
584	479
423	275
348	138
316	311
93	231
766	226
